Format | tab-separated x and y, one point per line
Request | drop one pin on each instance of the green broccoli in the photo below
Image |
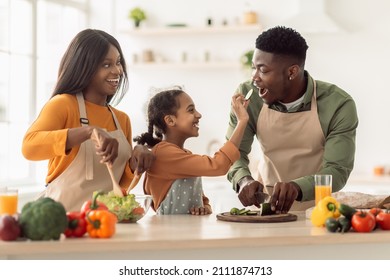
43	219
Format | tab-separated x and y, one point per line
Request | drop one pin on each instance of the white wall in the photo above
356	59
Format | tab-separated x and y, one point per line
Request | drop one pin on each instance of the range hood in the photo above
312	18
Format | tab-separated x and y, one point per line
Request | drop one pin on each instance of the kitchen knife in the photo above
262	197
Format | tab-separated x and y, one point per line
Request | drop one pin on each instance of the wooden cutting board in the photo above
275	218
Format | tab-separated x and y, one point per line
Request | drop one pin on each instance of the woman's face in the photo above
105	82
270	76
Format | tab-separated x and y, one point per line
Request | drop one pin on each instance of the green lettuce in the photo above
122	207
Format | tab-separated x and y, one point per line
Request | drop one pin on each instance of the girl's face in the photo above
106	79
187	118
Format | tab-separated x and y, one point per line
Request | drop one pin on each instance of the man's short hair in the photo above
282	40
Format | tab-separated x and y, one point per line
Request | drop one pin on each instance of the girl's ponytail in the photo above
147	137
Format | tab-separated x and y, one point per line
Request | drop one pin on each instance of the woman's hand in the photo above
106	146
141	159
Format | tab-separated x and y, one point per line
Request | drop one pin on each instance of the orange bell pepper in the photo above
101	223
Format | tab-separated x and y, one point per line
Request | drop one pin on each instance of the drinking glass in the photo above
323	186
8	201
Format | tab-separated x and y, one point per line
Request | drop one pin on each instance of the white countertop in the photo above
205	237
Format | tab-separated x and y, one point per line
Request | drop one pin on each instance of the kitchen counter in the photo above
204	237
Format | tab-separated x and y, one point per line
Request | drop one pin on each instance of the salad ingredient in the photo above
347	211
9	228
101	223
43	219
242	212
77	225
93	204
265	209
345	224
234	211
122	207
328	207
363	221
249	94
332	224
375	211
138	211
383	220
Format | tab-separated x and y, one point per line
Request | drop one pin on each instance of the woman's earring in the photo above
290	78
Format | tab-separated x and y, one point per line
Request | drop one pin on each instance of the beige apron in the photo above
86	174
292	145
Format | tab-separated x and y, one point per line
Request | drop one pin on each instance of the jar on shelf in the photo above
250	17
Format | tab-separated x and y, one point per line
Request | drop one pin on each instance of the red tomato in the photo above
375	211
383	220
363	221
138	211
93	204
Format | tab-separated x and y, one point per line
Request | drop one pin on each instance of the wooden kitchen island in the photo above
205	237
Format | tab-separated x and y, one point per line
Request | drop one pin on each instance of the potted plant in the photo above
138	15
246	59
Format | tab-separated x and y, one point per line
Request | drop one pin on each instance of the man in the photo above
304	126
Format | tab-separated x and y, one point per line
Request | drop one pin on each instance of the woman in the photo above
92	74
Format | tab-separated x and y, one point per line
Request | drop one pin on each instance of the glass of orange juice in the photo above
8	201
323	186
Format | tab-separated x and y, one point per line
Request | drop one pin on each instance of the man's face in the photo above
270	75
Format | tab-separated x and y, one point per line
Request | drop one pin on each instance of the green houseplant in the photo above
137	15
246	59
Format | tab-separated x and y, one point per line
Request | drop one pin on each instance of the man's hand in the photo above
283	196
248	188
141	159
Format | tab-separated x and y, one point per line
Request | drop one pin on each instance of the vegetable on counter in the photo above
383	220
242	212
9	228
345	224
265	209
125	208
43	219
93	204
326	208
77	225
347	211
363	221
101	223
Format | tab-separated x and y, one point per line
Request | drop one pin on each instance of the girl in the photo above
174	178
92	74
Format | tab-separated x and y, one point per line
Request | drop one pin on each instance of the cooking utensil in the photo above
134	181
115	186
275	218
249	94
262	197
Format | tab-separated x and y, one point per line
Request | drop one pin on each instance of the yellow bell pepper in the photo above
326	208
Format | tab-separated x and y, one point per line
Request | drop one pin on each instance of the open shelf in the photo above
255	28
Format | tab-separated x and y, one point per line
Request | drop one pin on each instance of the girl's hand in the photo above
106	146
239	105
201	210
